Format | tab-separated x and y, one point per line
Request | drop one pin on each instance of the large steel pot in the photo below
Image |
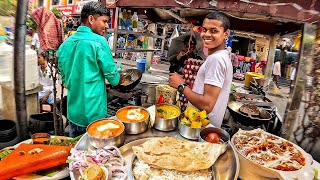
102	142
134	127
164	124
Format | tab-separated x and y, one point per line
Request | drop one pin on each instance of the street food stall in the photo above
144	141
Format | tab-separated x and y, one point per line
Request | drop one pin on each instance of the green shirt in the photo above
85	61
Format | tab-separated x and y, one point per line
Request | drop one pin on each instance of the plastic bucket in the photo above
42	123
141	64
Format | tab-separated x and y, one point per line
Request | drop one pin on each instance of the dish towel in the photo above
49	29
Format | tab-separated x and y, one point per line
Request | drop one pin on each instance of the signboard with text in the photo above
66	10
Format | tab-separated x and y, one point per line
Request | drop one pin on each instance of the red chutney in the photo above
106	132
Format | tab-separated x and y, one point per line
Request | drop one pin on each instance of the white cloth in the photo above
293	74
110	41
217	70
277	68
35	40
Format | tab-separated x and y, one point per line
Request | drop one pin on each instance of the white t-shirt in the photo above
217	70
35	40
110	41
253	55
277	68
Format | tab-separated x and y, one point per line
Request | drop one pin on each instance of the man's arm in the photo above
207	101
107	65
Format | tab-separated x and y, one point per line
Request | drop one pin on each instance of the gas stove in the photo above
120	100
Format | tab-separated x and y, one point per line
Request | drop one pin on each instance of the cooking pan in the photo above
134	75
244	119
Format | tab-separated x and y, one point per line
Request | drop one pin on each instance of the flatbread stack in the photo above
175	154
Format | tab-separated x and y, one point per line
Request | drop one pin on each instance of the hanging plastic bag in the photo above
174	35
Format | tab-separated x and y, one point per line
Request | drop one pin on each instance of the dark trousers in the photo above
75	130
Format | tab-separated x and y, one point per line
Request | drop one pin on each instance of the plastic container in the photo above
6	62
141	64
249	77
31	66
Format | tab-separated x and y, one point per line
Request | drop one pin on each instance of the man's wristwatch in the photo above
181	88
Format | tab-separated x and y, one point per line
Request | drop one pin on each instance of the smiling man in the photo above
85	61
212	85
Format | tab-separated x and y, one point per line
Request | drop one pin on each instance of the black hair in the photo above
192	42
215	15
93	8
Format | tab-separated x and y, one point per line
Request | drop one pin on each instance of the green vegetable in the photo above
107	166
75	139
52	171
316	172
68	161
4	153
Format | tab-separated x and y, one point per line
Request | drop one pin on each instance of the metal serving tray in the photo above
226	167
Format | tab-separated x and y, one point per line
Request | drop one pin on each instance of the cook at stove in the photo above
85	61
212	84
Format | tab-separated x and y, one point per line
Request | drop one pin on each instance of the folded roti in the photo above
181	155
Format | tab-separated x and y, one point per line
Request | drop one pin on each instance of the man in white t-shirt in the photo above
253	54
212	85
276	72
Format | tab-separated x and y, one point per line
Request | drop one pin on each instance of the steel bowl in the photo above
164	124
135	127
224	135
102	142
189	133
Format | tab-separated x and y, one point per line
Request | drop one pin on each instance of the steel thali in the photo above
227	165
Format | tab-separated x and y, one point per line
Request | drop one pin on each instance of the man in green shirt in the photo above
85	61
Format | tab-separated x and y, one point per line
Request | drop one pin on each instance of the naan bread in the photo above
181	155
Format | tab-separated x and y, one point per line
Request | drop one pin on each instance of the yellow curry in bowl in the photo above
167	111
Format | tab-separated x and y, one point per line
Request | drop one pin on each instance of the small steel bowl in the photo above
224	135
40	138
164	124
102	142
135	127
189	133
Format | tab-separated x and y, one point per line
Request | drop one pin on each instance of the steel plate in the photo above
226	167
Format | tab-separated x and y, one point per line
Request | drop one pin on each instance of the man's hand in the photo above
175	80
180	55
44	99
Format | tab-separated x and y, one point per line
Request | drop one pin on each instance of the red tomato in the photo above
213	138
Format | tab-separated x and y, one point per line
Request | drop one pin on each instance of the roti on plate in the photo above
181	155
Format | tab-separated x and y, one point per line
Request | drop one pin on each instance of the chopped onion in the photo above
107	157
